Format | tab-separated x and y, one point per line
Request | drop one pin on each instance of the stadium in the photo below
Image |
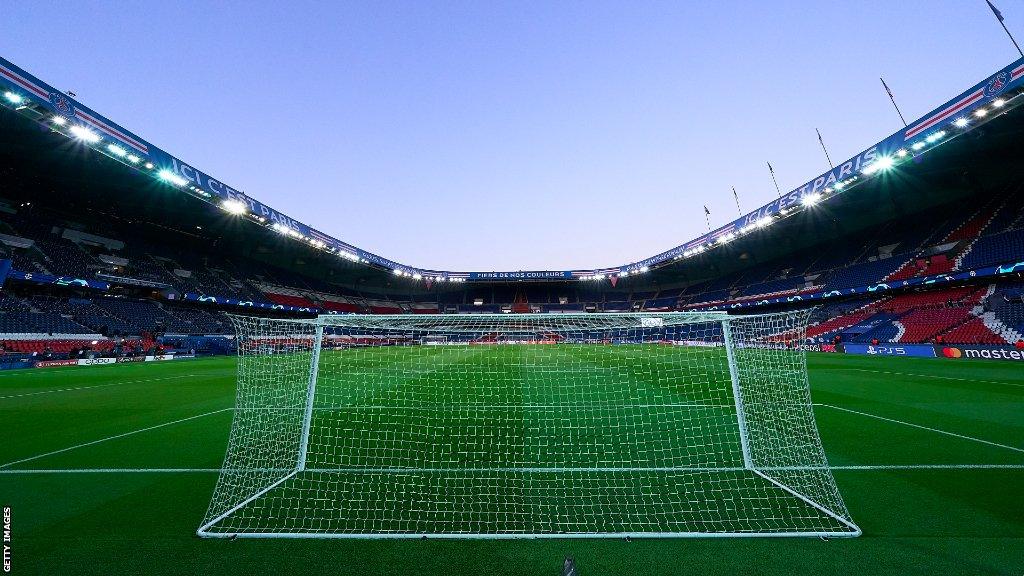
839	367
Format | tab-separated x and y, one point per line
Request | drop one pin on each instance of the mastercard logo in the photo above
952	352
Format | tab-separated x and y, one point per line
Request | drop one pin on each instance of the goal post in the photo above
524	426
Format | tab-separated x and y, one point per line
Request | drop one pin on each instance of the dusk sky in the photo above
487	136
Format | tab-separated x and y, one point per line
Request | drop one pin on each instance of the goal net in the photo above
533	425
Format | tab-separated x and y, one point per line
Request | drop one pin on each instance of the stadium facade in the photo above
917	239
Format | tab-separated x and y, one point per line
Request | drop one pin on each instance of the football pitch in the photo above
109	470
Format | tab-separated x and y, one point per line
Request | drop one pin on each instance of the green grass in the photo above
915	520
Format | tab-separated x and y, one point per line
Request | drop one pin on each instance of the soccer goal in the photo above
528	426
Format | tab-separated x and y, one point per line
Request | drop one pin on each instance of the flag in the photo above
887	91
995	10
770	169
736	197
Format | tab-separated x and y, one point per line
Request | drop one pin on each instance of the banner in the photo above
915	350
57	280
52	363
979	352
96	361
193	297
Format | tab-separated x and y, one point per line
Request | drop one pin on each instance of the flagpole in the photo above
707	217
737	198
777	189
1002	22
822	142
889	92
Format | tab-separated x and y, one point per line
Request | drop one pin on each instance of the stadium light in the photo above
59	120
999	102
917	145
117	150
644	269
133	158
84	134
13	98
233	207
417	276
881	164
935	137
901	153
961	122
810	199
169	176
397	272
981	112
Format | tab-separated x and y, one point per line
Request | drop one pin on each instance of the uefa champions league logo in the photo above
996	85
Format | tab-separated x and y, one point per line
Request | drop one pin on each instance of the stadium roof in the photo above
903	150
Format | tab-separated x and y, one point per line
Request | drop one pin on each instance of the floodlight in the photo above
881	164
917	145
981	112
810	199
961	122
234	207
397	272
133	158
169	176
117	150
935	136
902	152
59	120
999	102
84	134
13	98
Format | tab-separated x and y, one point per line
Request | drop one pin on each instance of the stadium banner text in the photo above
979	352
916	350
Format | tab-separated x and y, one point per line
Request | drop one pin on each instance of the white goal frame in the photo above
785	339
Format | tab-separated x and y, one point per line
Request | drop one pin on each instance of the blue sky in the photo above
525	135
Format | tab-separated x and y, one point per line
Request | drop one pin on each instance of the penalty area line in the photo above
115	437
921	427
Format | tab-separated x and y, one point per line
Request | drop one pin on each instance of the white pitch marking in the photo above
853	467
933	376
113	437
98	386
912	425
